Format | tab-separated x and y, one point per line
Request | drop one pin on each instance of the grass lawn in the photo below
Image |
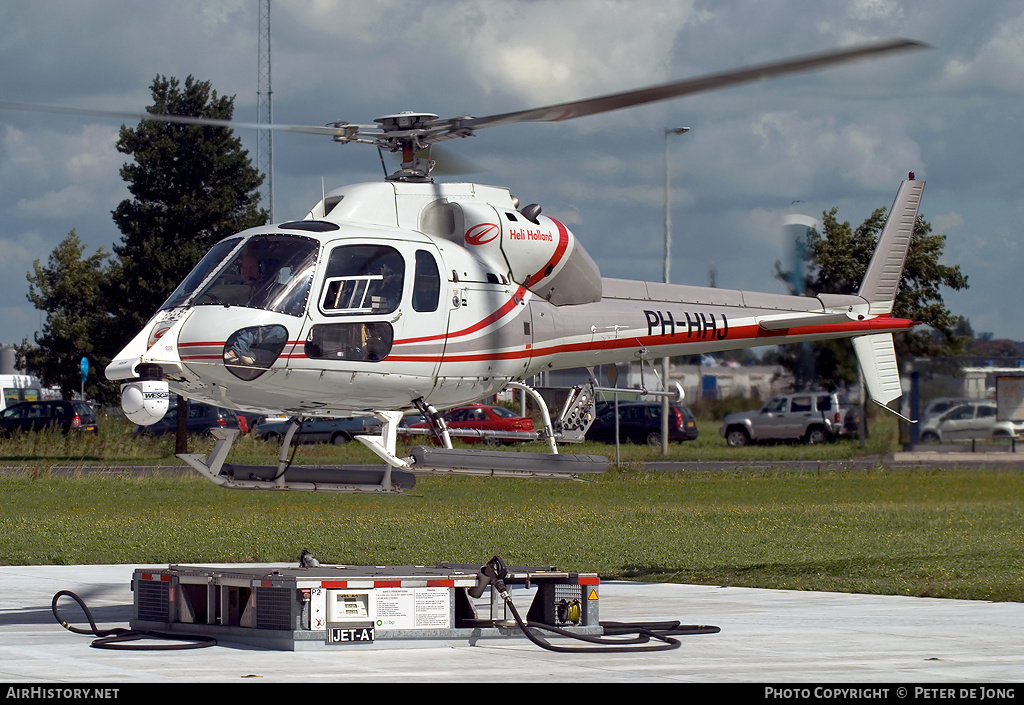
940	533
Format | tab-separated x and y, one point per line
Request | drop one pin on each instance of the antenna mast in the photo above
265	109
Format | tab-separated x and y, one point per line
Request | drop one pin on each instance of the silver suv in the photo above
812	417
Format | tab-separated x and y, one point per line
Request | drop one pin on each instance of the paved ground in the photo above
767	636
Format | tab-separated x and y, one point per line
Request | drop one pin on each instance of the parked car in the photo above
483	418
201	418
940	405
317	430
411	419
249	420
811	417
640	422
64	415
973	419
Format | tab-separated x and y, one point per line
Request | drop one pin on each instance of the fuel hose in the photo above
119	638
618	637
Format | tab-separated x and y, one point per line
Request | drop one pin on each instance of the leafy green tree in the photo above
191	186
69	288
837	260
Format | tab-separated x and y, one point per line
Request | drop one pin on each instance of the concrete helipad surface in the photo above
766	637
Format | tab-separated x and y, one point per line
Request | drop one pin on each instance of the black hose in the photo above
645	632
671	628
116	638
495	572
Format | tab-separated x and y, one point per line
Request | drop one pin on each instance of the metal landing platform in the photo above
340	606
767	636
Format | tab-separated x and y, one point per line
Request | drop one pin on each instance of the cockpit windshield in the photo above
271	272
210	262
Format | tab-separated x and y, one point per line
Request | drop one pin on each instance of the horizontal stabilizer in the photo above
877	357
803	318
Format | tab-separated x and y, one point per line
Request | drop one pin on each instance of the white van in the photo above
18	388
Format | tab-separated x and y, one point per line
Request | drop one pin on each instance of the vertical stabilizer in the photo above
883	275
876	354
877	358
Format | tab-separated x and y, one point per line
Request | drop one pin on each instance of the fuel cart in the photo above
341	606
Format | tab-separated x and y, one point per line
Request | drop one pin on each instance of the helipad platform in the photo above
766	637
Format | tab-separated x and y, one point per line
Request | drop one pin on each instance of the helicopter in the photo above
412	295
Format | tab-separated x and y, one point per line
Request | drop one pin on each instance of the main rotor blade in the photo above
161	117
451	128
665	91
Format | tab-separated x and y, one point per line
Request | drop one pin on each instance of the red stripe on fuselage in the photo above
502	311
222	343
560	248
751	332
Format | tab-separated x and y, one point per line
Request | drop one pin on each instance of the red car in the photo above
483	418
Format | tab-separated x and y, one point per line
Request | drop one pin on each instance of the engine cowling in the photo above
540	254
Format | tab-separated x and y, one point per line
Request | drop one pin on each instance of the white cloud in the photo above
874	9
947	222
998	63
20	251
552	52
57	204
22	159
61	175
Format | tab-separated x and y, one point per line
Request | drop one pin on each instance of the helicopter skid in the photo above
366	479
395	477
347	480
285	477
496	463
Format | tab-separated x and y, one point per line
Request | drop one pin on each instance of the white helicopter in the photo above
414	295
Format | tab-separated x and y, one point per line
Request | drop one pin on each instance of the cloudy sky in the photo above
842	137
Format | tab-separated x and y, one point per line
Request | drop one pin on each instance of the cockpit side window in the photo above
362	279
426	288
359	341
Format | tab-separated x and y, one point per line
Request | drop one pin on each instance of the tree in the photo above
837	260
191	186
70	290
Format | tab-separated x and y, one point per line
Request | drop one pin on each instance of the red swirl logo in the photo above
157	334
482	234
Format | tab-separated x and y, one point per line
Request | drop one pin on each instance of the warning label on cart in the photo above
413	608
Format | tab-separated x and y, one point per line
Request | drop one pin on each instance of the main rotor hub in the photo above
402	132
406	120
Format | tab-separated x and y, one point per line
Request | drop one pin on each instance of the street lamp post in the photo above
669	131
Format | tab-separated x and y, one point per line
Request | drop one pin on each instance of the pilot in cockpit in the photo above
252	270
